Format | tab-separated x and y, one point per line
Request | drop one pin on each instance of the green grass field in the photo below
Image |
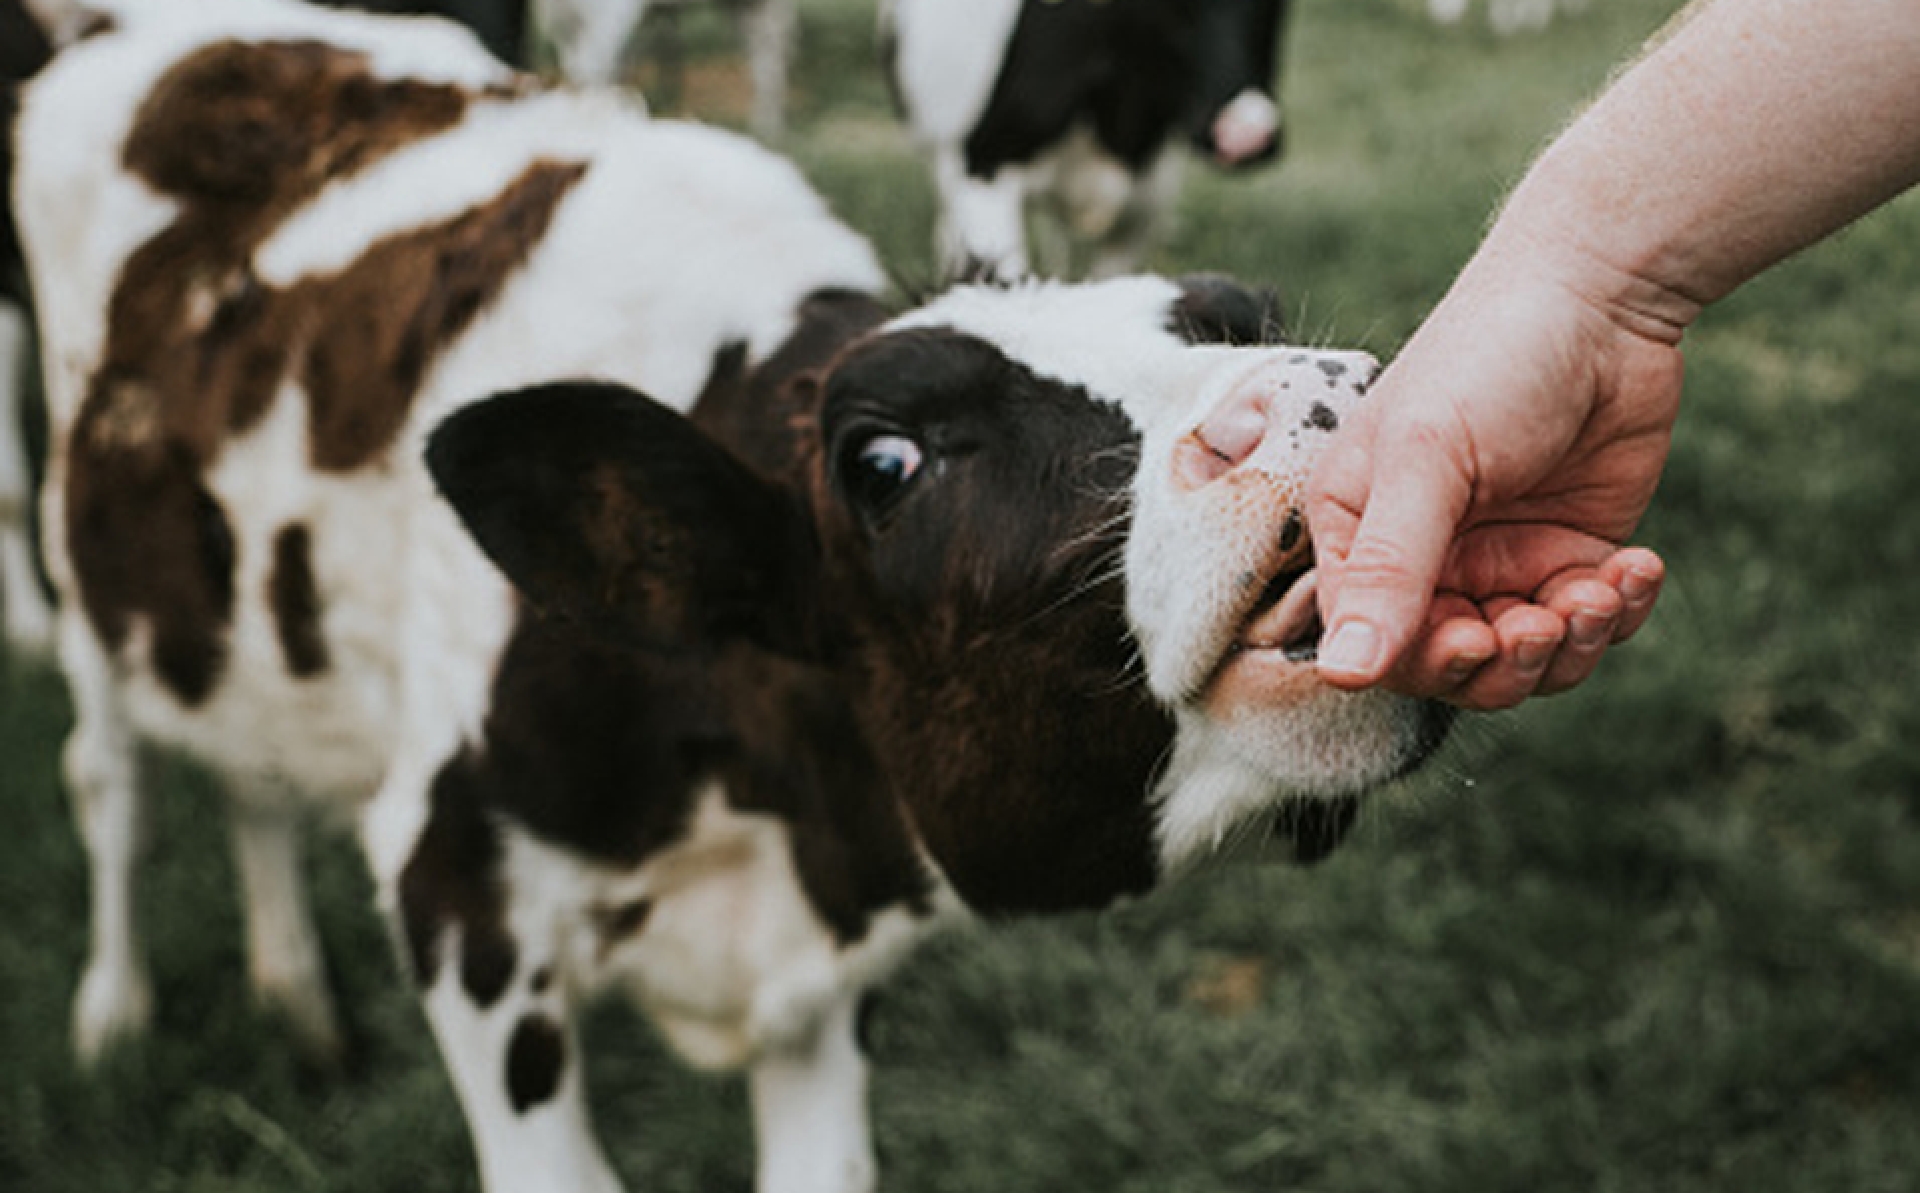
1662	934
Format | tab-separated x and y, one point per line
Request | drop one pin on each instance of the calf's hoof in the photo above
112	1007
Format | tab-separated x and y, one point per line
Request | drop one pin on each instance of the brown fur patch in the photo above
536	1060
380	325
453	880
257	128
197	348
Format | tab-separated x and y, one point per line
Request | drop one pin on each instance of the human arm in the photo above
1469	520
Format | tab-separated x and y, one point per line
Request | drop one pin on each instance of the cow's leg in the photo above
769	26
101	766
516	1065
28	618
810	1110
1143	223
284	961
489	955
1515	16
983	221
591	36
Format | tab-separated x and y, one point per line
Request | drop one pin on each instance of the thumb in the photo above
1383	553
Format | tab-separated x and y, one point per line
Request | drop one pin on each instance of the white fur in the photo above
946	59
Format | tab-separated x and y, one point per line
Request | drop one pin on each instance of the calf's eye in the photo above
880	467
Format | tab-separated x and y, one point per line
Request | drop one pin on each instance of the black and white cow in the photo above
26	621
1083	102
591	39
721	697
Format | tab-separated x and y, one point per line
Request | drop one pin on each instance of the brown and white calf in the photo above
1081	105
852	626
26	620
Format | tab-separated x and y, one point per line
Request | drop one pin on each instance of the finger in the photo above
1590	605
1591	609
1638	574
1384	582
1529	636
1456	643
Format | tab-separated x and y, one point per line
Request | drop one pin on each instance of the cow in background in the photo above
1084	104
591	37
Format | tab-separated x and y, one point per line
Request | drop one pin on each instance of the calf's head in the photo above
1049	539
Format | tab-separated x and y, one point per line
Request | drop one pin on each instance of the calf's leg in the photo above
982	222
590	36
284	962
101	766
489	953
516	1066
810	1110
1143	222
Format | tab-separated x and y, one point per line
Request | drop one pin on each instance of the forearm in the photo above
1755	128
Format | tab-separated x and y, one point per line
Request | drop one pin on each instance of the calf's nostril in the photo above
1221	443
1291	531
1234	431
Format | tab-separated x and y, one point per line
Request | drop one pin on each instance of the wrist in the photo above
1556	233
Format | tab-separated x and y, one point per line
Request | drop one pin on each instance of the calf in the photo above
1081	102
25	619
590	38
996	606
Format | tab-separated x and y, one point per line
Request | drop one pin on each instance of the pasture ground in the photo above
1659	934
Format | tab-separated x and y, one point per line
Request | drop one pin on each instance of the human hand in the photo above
1469	519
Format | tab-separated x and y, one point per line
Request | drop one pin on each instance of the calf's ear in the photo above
1215	309
607	509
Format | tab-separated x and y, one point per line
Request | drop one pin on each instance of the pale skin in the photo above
1471	519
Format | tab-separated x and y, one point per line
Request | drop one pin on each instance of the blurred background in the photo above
1662	933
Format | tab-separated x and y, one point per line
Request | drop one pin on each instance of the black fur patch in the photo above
536	1060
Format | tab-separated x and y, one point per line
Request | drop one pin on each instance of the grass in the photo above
1659	934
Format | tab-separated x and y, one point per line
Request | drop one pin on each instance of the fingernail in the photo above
1587	630
1636	586
1352	649
1461	669
1531	654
